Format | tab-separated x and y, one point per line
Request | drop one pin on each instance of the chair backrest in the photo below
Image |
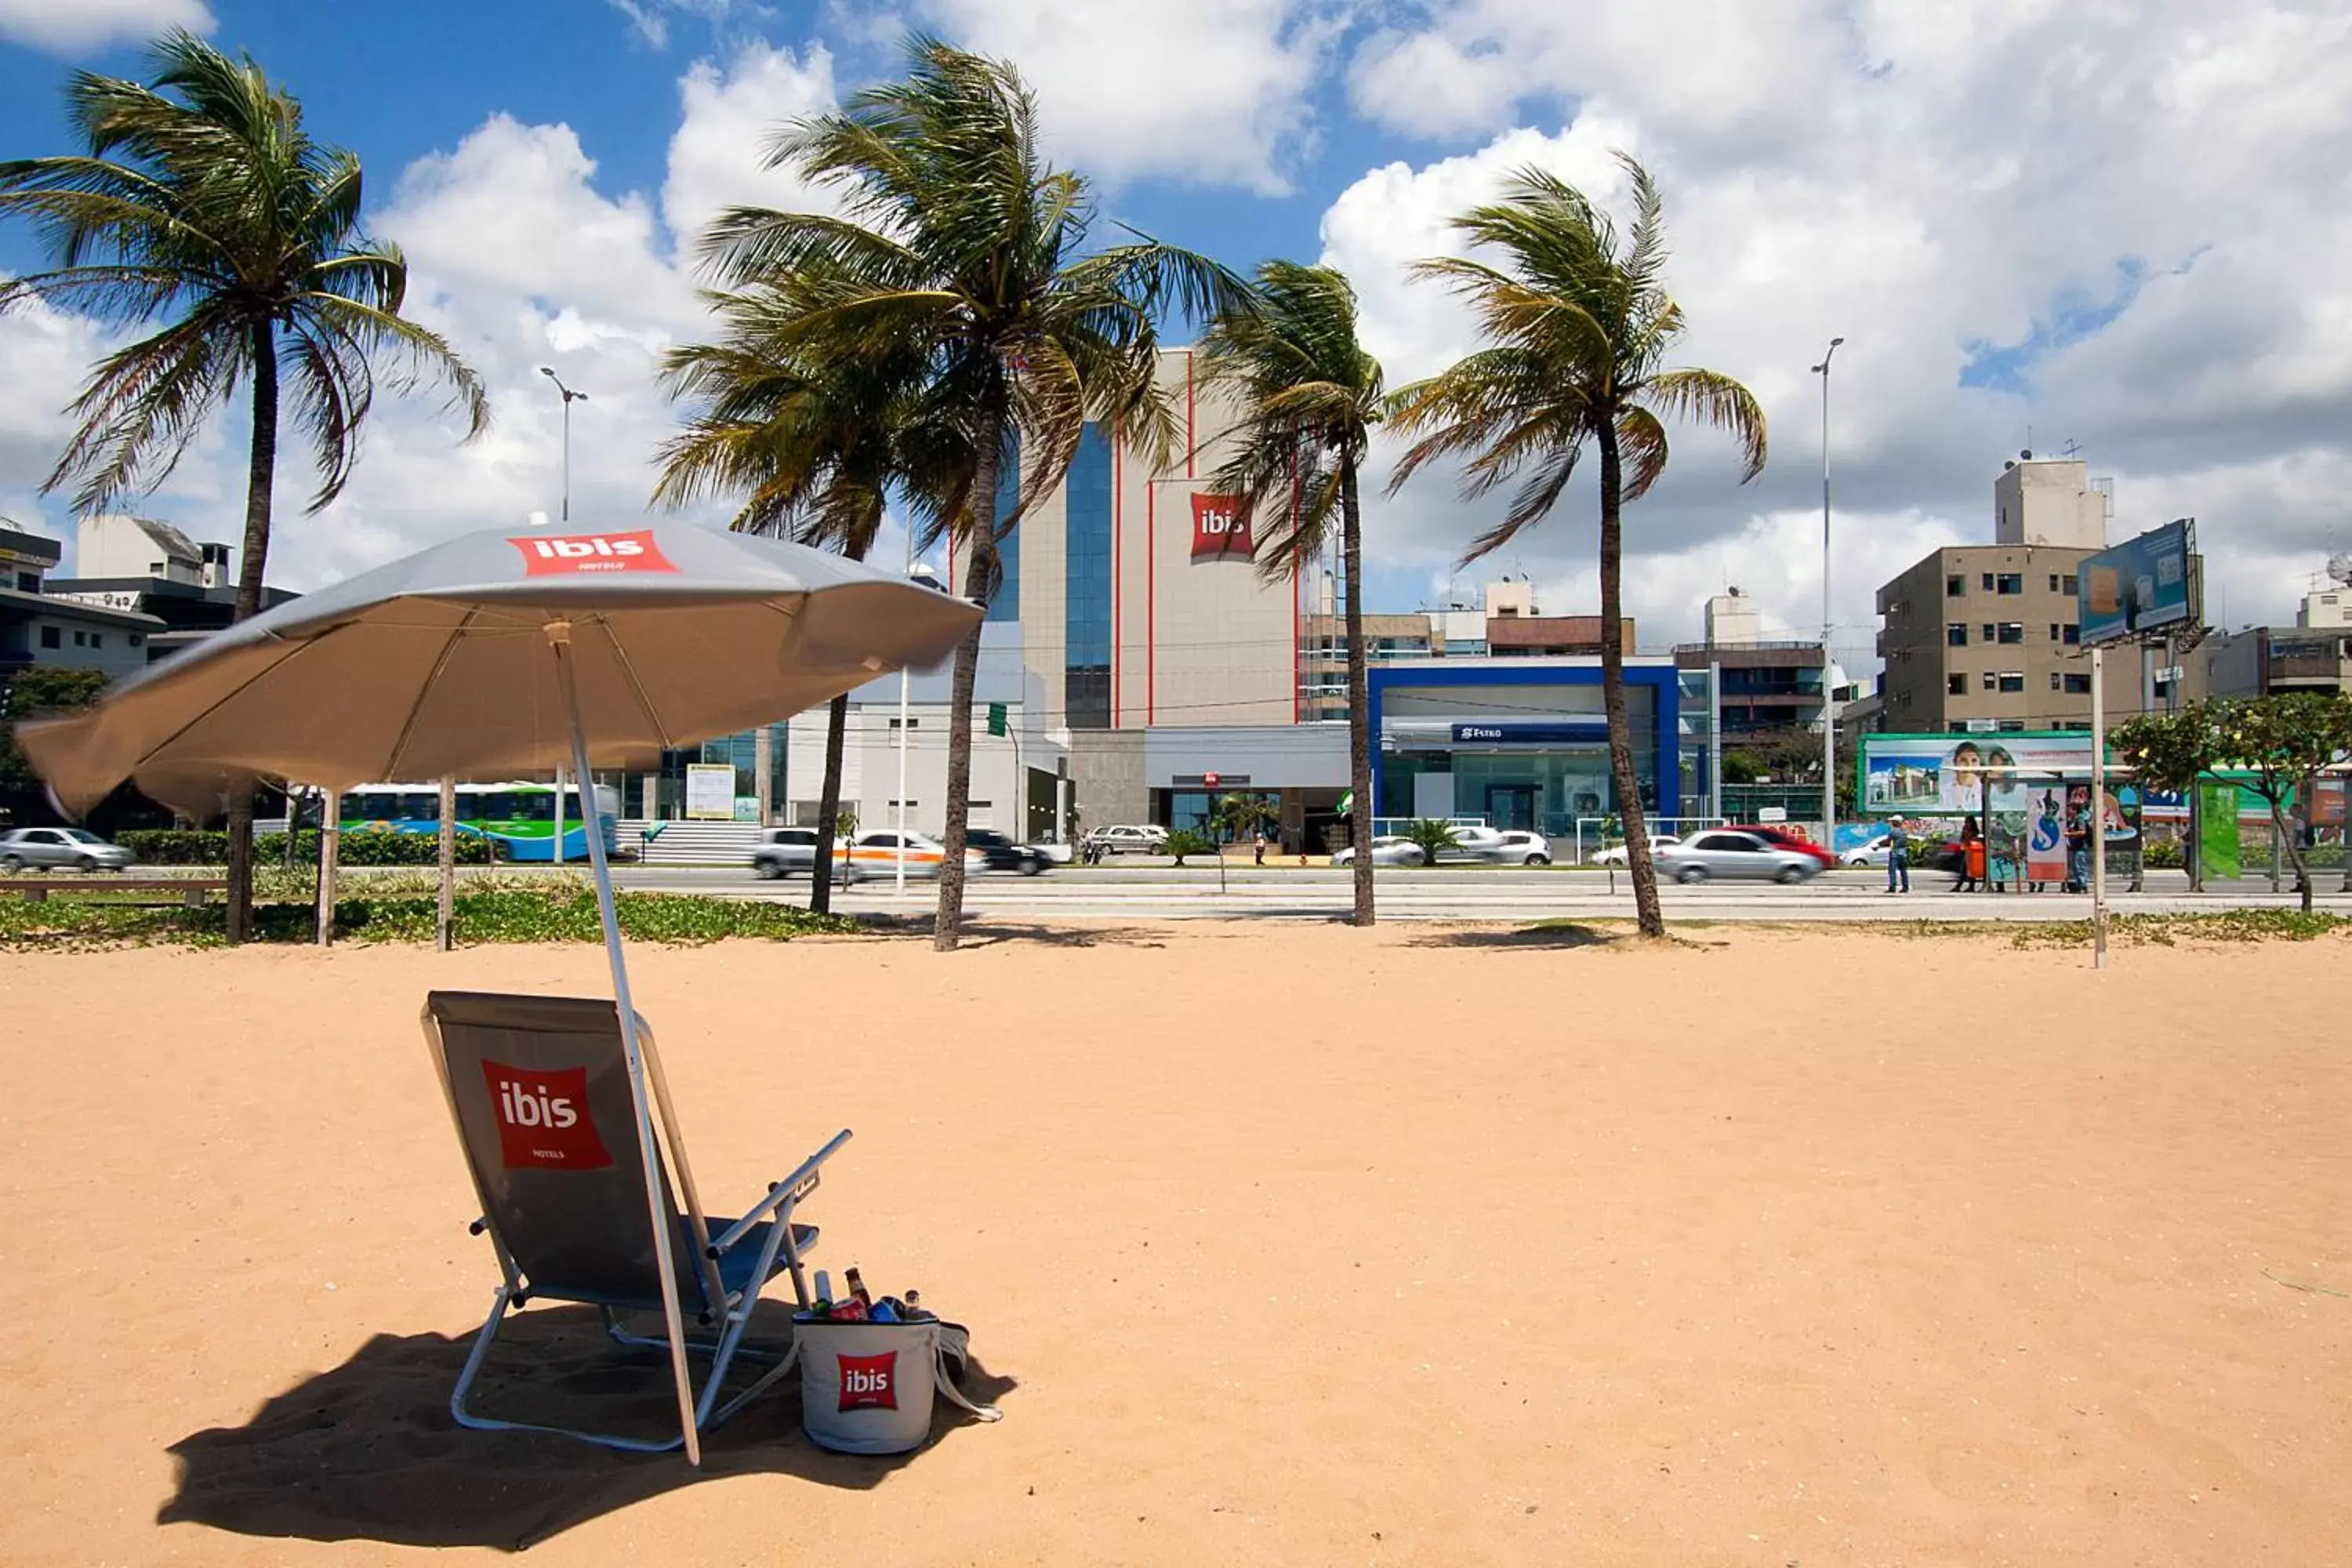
540	1089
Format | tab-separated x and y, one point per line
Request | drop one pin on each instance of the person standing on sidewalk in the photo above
1258	842
1898	857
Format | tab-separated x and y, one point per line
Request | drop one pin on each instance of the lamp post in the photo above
1829	690
555	855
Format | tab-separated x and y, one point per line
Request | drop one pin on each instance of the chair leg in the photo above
467	1418
621	1336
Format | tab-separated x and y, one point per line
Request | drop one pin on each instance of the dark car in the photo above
998	853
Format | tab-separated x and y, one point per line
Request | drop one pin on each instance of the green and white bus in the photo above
520	819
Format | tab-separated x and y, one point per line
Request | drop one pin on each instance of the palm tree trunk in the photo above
828	805
980	538
1359	707
1643	869
252	561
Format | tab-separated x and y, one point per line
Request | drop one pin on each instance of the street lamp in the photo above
555	854
1829	692
569	398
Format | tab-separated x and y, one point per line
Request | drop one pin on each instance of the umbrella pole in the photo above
592	818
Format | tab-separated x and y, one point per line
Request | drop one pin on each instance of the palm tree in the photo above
1579	324
812	447
961	248
204	201
1309	397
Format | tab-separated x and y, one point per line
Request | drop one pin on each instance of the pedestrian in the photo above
1898	857
1972	859
1258	843
2078	841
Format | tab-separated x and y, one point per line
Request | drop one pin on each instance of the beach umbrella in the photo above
501	653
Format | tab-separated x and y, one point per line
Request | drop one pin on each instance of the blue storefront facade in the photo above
1525	743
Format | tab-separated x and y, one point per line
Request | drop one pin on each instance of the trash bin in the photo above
867	1387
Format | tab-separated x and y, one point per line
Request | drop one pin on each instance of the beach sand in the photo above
1279	1244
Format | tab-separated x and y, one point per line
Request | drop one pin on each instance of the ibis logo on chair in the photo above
569	555
869	1382
543	1121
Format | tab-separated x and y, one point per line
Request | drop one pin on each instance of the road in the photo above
1158	893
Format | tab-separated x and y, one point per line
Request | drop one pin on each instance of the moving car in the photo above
985	849
1387	851
1615	854
786	852
75	846
1500	847
1736	854
1130	840
874	854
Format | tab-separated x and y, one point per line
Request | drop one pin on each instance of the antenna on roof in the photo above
2070	449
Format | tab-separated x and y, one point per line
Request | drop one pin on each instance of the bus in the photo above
518	818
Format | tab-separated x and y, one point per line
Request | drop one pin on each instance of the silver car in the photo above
1735	856
786	852
75	846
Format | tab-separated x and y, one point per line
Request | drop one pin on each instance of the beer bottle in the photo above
857	1289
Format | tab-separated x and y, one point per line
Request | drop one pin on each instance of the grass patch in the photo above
481	916
2166	930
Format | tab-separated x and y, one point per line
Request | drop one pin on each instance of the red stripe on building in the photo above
1151	604
1189	436
1298	648
1117	626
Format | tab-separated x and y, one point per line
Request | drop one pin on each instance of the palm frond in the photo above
1713	398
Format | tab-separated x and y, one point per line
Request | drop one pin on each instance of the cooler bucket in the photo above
865	1387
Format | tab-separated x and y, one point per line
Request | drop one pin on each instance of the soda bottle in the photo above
824	1306
857	1289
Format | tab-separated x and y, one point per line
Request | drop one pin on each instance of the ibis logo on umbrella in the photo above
569	555
869	1382
543	1121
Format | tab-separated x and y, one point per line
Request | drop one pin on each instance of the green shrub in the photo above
364	847
2163	855
1185	841
498	914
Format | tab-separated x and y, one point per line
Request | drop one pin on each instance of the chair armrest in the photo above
781	1196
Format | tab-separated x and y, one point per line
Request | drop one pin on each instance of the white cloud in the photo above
80	27
1973	190
729	117
1205	91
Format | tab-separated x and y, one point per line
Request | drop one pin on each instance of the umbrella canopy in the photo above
440	664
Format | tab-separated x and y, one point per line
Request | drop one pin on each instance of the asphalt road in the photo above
1161	892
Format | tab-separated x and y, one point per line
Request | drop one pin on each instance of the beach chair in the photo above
547	1114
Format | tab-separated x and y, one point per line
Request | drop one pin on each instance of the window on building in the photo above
1957	727
50	637
2079	685
28	582
2066	585
2011	726
137	640
1989	631
98	639
2053	631
1956	686
2010	583
2070	634
1956	585
1990	680
2053	680
1085	616
1956	633
912	723
2053	582
2011	631
1988	582
2012	680
81	639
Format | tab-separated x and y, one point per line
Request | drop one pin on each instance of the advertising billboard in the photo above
2141	586
1945	775
710	791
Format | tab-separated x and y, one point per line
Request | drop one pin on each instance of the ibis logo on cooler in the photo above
571	554
542	1117
869	1382
1219	528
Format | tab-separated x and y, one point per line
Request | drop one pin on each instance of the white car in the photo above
1871	854
873	854
1387	851
1615	854
1130	840
1514	846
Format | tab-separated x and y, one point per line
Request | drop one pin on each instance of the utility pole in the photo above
555	854
1829	686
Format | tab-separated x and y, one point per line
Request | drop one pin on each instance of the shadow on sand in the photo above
981	931
1542	938
367	1450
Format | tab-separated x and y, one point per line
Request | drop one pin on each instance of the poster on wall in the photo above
2045	839
710	791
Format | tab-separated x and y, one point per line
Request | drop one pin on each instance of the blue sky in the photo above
2151	270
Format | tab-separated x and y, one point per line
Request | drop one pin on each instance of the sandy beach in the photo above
1279	1244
